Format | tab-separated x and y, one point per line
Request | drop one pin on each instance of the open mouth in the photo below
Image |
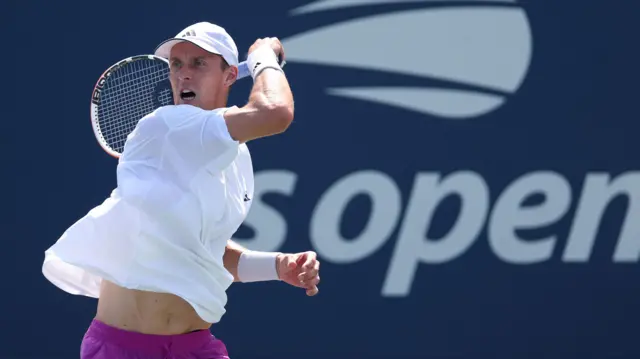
187	95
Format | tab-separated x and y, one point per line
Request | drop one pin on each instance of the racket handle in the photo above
243	69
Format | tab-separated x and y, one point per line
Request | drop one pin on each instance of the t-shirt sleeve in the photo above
215	138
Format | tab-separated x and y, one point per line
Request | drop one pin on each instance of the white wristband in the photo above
256	266
261	58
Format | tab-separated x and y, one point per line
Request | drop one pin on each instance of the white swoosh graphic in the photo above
336	4
485	46
451	104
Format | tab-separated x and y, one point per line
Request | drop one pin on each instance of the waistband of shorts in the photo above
148	342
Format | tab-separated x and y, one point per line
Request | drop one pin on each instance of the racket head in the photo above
126	92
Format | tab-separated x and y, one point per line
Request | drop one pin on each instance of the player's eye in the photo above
199	62
175	64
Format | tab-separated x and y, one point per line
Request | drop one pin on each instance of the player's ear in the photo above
231	74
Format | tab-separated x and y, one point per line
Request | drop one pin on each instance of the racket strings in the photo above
129	94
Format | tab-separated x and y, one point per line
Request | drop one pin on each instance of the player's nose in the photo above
184	74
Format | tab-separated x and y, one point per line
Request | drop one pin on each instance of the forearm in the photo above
231	258
271	93
249	266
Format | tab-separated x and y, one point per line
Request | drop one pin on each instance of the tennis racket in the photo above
126	92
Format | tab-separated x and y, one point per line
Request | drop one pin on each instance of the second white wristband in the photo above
255	266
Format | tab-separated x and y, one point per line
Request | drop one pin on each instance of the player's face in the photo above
198	78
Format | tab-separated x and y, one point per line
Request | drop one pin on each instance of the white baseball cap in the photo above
208	36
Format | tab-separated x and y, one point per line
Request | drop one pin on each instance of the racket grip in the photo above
243	69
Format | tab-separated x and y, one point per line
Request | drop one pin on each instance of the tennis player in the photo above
157	252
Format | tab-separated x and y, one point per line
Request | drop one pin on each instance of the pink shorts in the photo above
105	342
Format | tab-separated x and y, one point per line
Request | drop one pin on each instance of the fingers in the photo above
300	270
277	47
290	262
308	260
280	50
309	276
313	291
308	281
274	43
285	264
310	266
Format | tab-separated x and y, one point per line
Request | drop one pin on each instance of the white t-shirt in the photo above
184	188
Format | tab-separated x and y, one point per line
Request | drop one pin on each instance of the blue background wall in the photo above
466	170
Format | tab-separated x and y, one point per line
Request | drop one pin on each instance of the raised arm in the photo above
269	110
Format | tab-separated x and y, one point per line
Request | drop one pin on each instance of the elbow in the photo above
280	115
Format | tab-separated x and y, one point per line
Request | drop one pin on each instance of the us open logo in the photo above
474	56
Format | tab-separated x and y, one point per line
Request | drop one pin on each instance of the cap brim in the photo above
164	49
